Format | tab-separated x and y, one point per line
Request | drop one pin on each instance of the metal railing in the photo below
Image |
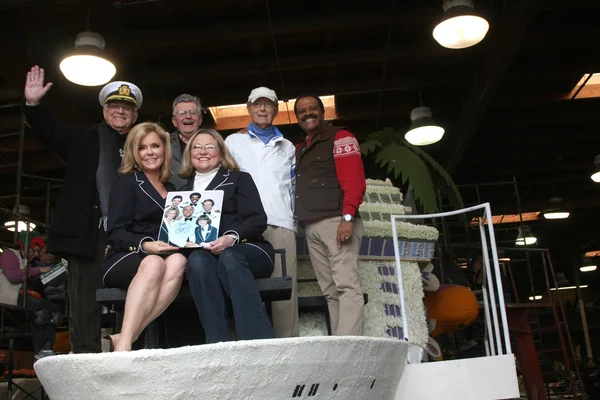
497	335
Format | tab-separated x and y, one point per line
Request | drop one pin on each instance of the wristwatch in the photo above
348	217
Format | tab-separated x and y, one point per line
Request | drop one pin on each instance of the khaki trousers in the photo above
337	273
285	313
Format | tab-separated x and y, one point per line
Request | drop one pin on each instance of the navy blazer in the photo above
212	235
242	212
135	213
74	230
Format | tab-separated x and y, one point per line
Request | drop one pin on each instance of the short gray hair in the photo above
187	98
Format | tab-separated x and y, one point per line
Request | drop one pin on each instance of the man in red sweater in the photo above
330	186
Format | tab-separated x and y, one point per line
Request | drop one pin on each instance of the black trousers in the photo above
85	314
41	332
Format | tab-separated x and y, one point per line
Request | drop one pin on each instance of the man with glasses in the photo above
270	158
93	156
187	117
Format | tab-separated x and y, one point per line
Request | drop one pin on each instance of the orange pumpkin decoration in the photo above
453	307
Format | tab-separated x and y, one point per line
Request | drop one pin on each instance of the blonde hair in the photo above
227	160
172	209
131	157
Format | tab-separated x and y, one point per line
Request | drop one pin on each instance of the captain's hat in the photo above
120	90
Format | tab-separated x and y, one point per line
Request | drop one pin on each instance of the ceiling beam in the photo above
502	172
155	106
535	153
539	140
531	205
576	111
226	29
506	40
562	5
536	137
209	69
567	37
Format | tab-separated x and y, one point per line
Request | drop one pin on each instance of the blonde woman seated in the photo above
136	260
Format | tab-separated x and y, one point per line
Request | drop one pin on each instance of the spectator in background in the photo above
46	315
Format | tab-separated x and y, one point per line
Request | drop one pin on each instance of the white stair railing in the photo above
496	327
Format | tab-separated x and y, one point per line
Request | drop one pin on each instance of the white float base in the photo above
466	379
344	368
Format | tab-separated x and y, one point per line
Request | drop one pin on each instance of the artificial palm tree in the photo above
413	166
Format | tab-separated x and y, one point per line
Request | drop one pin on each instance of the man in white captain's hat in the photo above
93	156
120	100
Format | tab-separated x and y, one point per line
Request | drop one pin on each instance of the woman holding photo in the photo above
136	260
239	255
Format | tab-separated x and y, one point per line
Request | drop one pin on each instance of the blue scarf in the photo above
264	134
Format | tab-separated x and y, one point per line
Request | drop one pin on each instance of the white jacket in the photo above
273	169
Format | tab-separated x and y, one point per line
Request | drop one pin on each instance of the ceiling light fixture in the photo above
88	66
587	265
525	237
21	226
423	130
569	287
536	297
502	255
461	26
555	213
596	175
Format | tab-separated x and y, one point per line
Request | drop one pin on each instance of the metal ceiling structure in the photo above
504	103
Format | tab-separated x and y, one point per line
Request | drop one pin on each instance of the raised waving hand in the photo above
34	86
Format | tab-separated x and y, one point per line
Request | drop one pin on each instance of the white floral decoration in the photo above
376	322
383	229
377	229
313	324
389	190
412	231
381	207
377	182
413	290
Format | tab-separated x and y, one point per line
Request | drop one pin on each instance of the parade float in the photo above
386	363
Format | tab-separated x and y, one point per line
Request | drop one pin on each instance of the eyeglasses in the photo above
208	147
183	113
265	104
116	106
